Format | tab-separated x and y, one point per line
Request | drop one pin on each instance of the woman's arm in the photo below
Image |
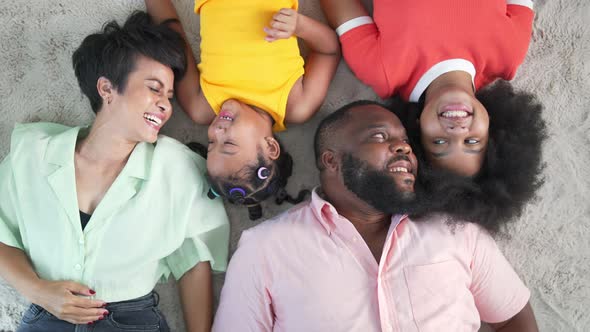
188	90
309	92
60	298
197	298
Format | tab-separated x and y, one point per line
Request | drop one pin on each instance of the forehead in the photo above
150	68
365	117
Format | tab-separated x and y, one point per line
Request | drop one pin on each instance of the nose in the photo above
400	146
164	104
456	129
219	130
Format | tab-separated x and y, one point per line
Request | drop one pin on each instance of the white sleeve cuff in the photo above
355	22
526	3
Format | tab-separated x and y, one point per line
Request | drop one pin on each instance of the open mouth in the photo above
152	119
398	170
456	111
400	166
226	116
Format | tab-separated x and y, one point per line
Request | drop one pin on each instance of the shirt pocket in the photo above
145	320
440	297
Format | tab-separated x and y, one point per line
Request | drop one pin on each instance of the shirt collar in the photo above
60	151
437	70
326	213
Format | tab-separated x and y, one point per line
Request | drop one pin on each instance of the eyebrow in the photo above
446	153
160	82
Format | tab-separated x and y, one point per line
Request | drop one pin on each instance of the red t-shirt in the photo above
412	42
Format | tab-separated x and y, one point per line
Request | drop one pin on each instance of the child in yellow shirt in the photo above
250	83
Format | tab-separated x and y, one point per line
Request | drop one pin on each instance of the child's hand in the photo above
282	26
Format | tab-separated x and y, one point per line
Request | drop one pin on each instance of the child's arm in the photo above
188	90
308	92
197	298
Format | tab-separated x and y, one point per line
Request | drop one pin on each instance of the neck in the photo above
104	144
363	216
453	79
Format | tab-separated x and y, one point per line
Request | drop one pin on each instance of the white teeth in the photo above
455	114
226	118
153	119
398	169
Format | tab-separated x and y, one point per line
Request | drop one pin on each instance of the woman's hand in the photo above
283	25
66	301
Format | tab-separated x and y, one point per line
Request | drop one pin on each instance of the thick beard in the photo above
376	188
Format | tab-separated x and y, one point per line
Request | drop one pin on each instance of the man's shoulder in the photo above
280	229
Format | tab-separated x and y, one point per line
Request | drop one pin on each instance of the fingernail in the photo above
104	305
91	292
90	323
105	313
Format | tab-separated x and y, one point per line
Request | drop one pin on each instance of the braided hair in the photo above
255	182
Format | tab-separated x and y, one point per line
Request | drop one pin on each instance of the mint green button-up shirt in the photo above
155	219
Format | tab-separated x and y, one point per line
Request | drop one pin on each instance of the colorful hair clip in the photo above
263	173
212	194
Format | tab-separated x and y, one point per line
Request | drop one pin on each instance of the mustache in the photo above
398	158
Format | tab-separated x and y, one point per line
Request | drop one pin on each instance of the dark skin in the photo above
356	136
377	136
455	142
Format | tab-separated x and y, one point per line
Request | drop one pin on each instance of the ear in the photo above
105	89
330	160
272	148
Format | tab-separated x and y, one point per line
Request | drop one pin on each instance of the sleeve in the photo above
206	235
521	17
246	303
498	291
9	228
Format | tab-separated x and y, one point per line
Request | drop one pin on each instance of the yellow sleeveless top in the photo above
236	61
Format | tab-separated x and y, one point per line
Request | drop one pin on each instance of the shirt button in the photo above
81	241
78	267
355	239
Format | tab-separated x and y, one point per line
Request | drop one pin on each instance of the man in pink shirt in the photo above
348	260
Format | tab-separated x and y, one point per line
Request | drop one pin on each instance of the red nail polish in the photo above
104	305
90	323
92	292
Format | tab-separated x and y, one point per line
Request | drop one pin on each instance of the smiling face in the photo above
236	136
377	138
143	106
454	131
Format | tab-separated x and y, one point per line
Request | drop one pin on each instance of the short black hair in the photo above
254	190
325	133
113	52
512	169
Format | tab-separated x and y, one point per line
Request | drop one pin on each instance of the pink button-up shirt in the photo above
309	269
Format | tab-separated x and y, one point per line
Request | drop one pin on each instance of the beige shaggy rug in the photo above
550	245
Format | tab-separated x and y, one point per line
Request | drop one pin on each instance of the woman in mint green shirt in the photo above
91	219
